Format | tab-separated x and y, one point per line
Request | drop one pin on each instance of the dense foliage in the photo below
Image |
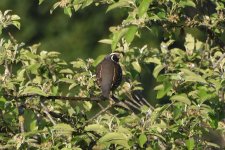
188	66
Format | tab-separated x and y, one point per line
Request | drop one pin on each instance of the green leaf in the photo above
16	24
53	54
30	121
2	102
106	41
116	37
184	3
157	70
166	87
114	138
32	90
136	66
98	60
189	44
87	105
40	2
63	129
66	80
0	29
68	11
181	98
96	128
142	9
142	140
15	17
153	60
54	7
190	143
119	4
67	71
86	3
129	36
190	76
78	63
34	68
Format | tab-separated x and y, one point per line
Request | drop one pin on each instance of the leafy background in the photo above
174	52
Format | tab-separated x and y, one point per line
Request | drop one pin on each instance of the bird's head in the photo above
115	56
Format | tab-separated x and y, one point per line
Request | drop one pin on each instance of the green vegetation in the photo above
179	43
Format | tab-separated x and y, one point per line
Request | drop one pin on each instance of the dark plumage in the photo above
109	74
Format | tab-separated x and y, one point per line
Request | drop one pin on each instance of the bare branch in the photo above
55	97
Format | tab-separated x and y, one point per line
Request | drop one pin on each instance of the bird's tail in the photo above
105	93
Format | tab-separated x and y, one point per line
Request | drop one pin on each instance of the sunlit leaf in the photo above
106	41
165	88
181	98
142	9
68	11
157	70
68	71
63	129
32	90
136	66
154	60
119	4
115	138
117	35
40	2
142	140
96	128
190	143
30	121
2	102
190	76
184	3
129	36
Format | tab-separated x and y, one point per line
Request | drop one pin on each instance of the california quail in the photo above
109	74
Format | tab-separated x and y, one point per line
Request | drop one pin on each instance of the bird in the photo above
109	74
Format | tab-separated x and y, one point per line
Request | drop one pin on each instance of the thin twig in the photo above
132	105
132	100
12	37
102	111
46	111
100	105
221	58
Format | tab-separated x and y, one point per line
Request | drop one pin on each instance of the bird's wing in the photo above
117	76
99	73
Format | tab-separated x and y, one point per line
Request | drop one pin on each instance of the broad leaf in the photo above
114	138
32	90
181	98
142	140
142	9
190	143
157	70
190	76
96	128
129	36
136	66
119	4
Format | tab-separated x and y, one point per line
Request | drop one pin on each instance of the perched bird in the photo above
109	74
